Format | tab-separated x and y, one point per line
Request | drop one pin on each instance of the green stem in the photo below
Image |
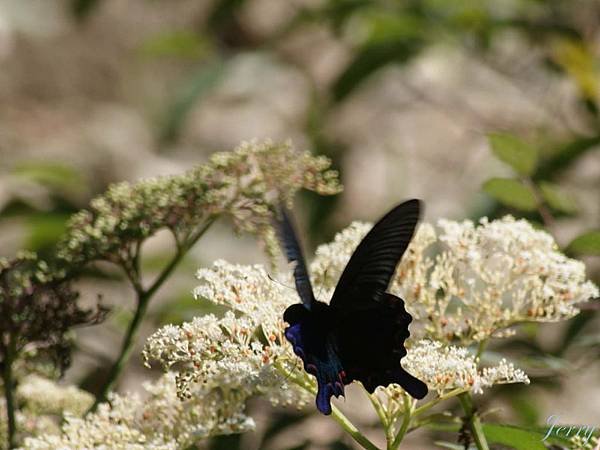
349	427
383	418
143	299
336	414
544	212
406	418
378	409
7	377
481	348
453	393
473	421
126	349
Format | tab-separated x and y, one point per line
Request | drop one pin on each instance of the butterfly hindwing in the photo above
312	340
371	344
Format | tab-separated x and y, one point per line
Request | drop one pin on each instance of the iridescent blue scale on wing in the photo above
324	364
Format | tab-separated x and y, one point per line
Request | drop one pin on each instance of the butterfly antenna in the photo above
324	282
279	282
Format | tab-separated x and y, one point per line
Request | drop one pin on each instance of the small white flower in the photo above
159	422
444	368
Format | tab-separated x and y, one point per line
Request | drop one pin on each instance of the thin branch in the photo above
336	414
383	418
349	427
473	421
143	299
7	378
406	418
427	406
542	209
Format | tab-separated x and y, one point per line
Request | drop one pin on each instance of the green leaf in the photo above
565	155
45	230
513	151
368	60
586	244
557	198
338	12
511	193
222	13
200	84
518	438
514	437
58	177
181	44
451	446
525	407
579	61
573	333
389	39
81	9
443	426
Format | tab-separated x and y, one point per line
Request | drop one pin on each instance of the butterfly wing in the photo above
310	331
371	266
370	344
372	325
293	252
313	341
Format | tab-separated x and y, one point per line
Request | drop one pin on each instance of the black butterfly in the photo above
360	335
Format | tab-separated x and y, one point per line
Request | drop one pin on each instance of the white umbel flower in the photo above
467	282
444	368
161	421
463	283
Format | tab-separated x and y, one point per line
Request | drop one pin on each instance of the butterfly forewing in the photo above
371	266
293	252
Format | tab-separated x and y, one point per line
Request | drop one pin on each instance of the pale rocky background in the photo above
86	95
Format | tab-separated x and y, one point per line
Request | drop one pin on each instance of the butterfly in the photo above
360	334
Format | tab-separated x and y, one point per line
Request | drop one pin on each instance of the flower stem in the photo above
406	418
349	427
126	349
7	378
473	421
481	347
143	299
544	212
453	393
378	409
336	414
383	418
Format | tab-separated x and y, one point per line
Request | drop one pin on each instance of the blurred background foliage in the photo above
481	108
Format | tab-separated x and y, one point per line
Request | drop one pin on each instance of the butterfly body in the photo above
360	334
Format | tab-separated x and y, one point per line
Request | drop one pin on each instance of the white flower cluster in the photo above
43	402
44	396
238	351
469	282
465	284
250	291
444	368
159	422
